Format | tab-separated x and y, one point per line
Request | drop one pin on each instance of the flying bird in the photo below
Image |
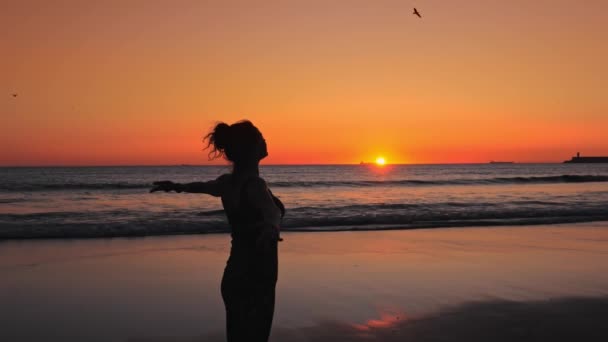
14	95
417	13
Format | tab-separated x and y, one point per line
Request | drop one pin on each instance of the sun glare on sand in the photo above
380	161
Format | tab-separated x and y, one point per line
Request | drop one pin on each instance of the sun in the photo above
380	161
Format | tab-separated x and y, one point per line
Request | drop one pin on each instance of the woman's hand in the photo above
166	186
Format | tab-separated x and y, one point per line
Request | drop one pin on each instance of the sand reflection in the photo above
566	319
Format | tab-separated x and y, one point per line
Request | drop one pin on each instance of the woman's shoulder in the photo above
224	182
249	184
229	177
256	182
254	185
226	177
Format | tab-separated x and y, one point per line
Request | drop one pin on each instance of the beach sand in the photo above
529	283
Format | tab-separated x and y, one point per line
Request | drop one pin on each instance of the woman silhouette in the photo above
254	214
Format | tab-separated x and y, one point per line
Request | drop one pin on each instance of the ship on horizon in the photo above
579	159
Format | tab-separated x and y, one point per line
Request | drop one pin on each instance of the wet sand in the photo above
500	283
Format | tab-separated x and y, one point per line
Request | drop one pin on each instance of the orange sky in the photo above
140	82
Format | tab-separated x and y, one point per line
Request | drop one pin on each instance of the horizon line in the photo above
277	164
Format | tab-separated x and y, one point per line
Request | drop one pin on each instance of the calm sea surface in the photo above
114	201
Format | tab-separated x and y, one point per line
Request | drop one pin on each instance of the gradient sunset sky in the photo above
140	82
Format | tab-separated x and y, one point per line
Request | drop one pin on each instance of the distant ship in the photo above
579	159
501	162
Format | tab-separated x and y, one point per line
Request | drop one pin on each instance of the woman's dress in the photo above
250	276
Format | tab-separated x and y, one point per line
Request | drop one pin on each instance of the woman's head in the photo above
240	143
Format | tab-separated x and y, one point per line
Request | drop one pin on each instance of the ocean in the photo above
74	202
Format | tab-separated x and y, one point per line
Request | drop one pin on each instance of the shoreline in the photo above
333	229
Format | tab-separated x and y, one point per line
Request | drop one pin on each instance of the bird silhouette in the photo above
14	95
417	13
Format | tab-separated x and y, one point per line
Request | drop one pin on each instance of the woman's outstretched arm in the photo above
213	188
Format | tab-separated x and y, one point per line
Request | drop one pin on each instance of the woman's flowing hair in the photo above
236	143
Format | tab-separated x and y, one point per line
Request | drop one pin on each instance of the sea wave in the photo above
14	200
115	223
26	187
458	181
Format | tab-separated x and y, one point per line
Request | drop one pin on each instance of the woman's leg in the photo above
248	291
260	322
235	304
264	297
